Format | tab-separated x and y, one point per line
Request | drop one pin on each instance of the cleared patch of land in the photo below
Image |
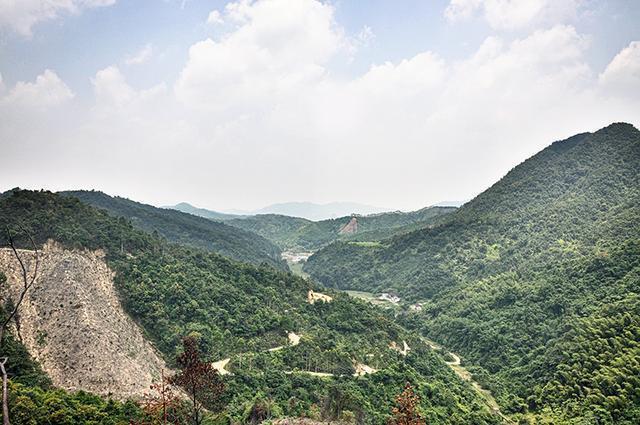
371	298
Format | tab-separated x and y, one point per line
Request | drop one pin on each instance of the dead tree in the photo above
27	283
199	379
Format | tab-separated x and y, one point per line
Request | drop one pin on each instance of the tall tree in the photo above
199	379
405	412
12	307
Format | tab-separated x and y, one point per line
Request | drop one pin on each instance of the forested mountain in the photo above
201	212
295	233
188	229
535	282
238	311
317	212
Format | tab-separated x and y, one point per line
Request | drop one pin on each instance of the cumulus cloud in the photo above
622	75
113	93
214	18
20	16
46	91
111	88
259	107
269	54
140	57
512	14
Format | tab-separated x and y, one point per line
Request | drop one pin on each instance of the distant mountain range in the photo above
307	210
202	212
187	229
317	212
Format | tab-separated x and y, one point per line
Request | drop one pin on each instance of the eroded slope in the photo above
73	324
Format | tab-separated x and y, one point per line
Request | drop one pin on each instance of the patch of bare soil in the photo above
72	322
312	297
350	228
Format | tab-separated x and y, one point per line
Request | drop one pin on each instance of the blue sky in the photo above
392	103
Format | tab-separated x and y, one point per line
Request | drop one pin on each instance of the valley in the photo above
532	287
535	266
243	317
319	212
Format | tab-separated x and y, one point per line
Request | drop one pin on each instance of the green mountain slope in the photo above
535	281
202	212
293	233
240	311
188	229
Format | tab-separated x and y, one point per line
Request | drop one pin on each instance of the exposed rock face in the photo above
350	227
72	322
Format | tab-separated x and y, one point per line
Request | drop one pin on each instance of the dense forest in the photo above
187	229
240	311
294	233
535	282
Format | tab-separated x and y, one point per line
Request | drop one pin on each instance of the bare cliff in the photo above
350	228
72	322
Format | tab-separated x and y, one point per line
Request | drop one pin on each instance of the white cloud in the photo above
258	116
112	92
142	56
622	75
513	14
366	35
21	15
111	88
48	90
270	54
215	18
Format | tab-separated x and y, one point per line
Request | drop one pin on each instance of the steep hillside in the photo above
545	259
188	229
245	314
293	233
72	323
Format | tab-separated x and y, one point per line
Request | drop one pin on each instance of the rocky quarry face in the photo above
72	322
350	227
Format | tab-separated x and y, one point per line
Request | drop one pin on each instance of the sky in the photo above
236	105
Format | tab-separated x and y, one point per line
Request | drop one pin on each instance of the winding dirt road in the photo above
465	375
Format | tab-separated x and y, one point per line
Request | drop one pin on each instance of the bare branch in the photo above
27	283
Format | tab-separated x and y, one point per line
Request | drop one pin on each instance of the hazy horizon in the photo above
240	105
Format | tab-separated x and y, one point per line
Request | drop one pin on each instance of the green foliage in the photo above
239	311
535	281
21	368
35	406
296	233
188	229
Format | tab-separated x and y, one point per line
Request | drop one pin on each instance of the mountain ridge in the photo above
505	279
240	311
188	229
